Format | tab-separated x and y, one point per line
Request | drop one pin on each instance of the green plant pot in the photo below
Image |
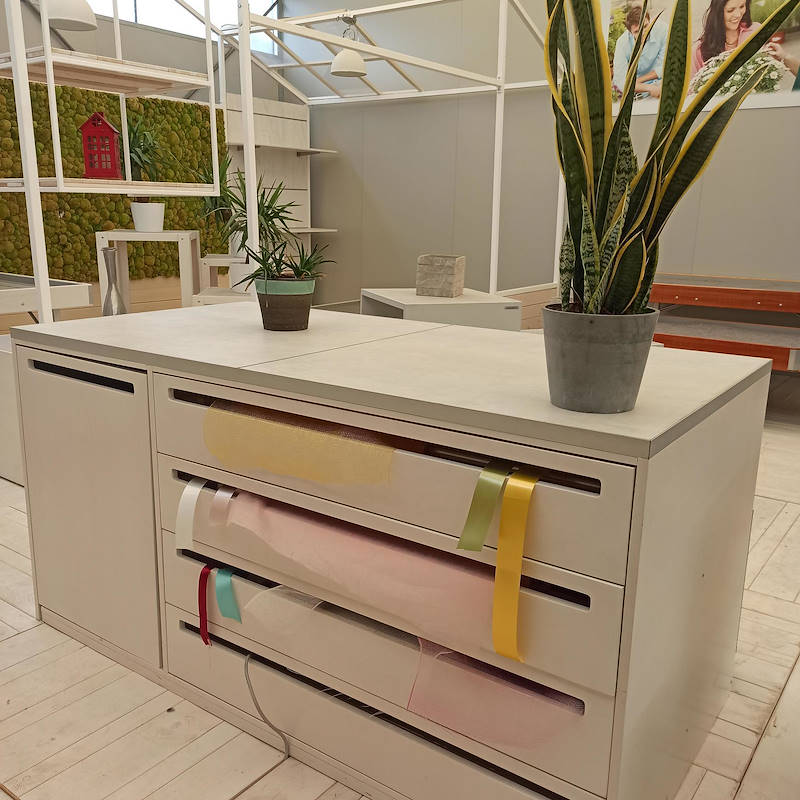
595	362
285	305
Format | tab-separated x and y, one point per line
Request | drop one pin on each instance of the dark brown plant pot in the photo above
285	305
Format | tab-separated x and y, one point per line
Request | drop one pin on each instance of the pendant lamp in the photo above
348	63
71	15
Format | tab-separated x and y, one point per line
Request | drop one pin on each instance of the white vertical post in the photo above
212	105
248	125
30	169
51	94
126	145
560	208
117	34
223	80
497	167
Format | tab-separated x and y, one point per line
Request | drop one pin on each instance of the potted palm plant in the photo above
597	339
285	283
147	215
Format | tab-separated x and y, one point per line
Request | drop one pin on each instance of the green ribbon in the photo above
484	502
226	599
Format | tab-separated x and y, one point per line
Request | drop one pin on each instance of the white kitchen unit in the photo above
324	477
473	308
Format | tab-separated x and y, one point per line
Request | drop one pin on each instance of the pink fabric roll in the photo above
444	596
489	705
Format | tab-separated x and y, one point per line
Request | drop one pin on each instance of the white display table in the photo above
477	309
193	279
332	472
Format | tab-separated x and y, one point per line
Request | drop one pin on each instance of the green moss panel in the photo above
182	131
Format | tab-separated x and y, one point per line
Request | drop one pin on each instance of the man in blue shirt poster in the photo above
651	61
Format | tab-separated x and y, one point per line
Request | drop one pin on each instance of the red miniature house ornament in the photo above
100	148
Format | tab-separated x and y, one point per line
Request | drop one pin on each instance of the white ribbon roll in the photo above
184	524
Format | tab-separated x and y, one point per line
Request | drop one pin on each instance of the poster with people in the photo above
718	28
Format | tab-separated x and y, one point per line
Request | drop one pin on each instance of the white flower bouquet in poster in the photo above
771	81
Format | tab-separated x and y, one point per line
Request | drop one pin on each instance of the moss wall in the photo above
70	220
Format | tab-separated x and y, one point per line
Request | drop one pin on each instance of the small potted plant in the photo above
598	338
147	215
285	283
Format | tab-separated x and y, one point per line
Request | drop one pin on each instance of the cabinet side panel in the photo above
88	459
684	594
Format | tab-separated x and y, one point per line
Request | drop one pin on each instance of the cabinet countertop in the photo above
489	382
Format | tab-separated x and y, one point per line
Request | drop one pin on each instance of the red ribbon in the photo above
202	603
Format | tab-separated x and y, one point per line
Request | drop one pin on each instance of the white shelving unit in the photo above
113	75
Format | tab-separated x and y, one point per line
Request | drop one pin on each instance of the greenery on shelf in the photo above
616	208
274	215
70	220
143	150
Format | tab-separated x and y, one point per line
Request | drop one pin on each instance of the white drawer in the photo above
389	743
569	624
580	518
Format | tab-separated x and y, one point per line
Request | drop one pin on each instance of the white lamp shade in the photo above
348	64
71	15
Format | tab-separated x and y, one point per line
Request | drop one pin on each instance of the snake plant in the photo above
617	207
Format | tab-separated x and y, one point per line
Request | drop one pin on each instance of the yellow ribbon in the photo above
508	573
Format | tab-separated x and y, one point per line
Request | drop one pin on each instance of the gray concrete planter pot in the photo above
285	304
595	362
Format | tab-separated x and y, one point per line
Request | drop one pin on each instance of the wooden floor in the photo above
75	725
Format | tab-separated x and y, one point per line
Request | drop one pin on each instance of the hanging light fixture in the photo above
71	15
348	63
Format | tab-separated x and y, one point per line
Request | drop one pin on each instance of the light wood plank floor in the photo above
74	724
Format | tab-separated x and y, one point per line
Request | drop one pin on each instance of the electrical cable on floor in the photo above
267	721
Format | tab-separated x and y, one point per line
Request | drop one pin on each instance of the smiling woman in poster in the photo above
726	25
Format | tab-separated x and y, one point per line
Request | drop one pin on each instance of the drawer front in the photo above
569	624
363	731
580	519
304	628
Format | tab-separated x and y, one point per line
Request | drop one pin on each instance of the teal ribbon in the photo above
484	502
226	599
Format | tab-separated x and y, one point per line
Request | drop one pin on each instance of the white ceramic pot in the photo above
148	217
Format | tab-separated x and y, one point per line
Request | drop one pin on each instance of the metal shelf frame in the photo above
31	183
474	82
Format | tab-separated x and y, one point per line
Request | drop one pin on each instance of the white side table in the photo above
193	279
476	309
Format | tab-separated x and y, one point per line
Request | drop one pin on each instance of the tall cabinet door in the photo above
86	436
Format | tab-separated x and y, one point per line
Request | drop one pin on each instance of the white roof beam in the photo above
393	64
262	23
332	16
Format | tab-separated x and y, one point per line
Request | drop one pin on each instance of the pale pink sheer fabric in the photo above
444	597
489	705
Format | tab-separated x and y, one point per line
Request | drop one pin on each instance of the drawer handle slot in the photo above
527	583
582	483
341	697
215	563
80	375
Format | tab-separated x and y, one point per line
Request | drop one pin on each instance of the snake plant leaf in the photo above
624	171
694	157
643	190
592	84
677	70
566	268
627	275
742	54
608	251
639	305
574	170
561	37
590	254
